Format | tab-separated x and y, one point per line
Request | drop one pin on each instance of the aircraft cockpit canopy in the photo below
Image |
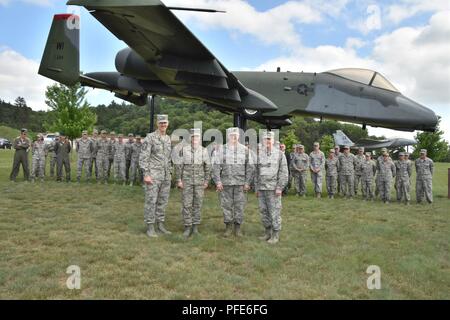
365	76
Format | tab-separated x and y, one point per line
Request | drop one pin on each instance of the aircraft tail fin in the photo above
61	59
341	139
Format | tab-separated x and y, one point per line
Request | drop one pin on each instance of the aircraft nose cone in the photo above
423	118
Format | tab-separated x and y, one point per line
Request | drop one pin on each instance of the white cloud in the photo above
409	8
274	26
19	77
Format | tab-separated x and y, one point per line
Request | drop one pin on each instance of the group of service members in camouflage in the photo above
233	168
345	173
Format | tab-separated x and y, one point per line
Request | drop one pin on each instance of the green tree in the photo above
326	143
289	140
434	142
70	111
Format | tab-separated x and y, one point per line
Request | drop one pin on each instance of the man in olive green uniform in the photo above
300	168
271	177
403	179
102	152
193	174
21	144
424	179
39	152
359	158
84	148
232	174
317	166
332	171
62	150
155	161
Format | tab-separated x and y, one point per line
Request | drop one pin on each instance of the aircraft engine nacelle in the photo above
129	63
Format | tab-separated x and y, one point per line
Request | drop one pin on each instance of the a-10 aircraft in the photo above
164	58
341	139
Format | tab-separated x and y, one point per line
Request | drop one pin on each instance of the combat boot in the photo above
151	231
275	237
267	234
187	231
228	230
162	229
131	184
195	229
237	230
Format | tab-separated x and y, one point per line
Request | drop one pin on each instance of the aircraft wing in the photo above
390	144
173	53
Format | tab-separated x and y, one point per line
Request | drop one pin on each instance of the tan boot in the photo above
228	230
151	231
275	237
237	230
267	234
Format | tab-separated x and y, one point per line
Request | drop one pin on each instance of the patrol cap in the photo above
407	154
268	135
423	151
232	131
120	135
300	146
368	154
84	132
57	134
23	130
332	151
316	144
195	132
112	133
337	147
40	135
162	118
346	147
401	154
104	132
95	131
383	149
361	149
138	136
130	135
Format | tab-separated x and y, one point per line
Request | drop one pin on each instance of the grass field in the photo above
325	248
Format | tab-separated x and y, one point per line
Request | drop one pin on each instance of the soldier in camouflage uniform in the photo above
193	174
102	152
135	170
403	179
386	173
119	160
347	163
112	141
300	168
232	174
128	150
52	155
359	158
84	148
94	155
39	152
424	179
271	177
337	153
155	161
377	178
62	150
317	165
332	170
21	144
368	169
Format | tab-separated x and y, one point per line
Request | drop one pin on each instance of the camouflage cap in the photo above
112	133
232	131
346	147
40	135
84	132
401	154
23	130
332	151
337	147
104	132
138	136
316	144
423	151
162	118
95	131
300	146
57	134
268	135
120	135
195	132
383	149
361	149
368	154
130	135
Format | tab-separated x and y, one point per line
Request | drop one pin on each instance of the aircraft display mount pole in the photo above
152	113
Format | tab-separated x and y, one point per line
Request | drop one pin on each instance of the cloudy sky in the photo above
406	40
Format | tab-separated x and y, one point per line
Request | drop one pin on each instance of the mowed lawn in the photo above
325	248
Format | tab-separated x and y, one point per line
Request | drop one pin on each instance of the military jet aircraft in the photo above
164	58
341	139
